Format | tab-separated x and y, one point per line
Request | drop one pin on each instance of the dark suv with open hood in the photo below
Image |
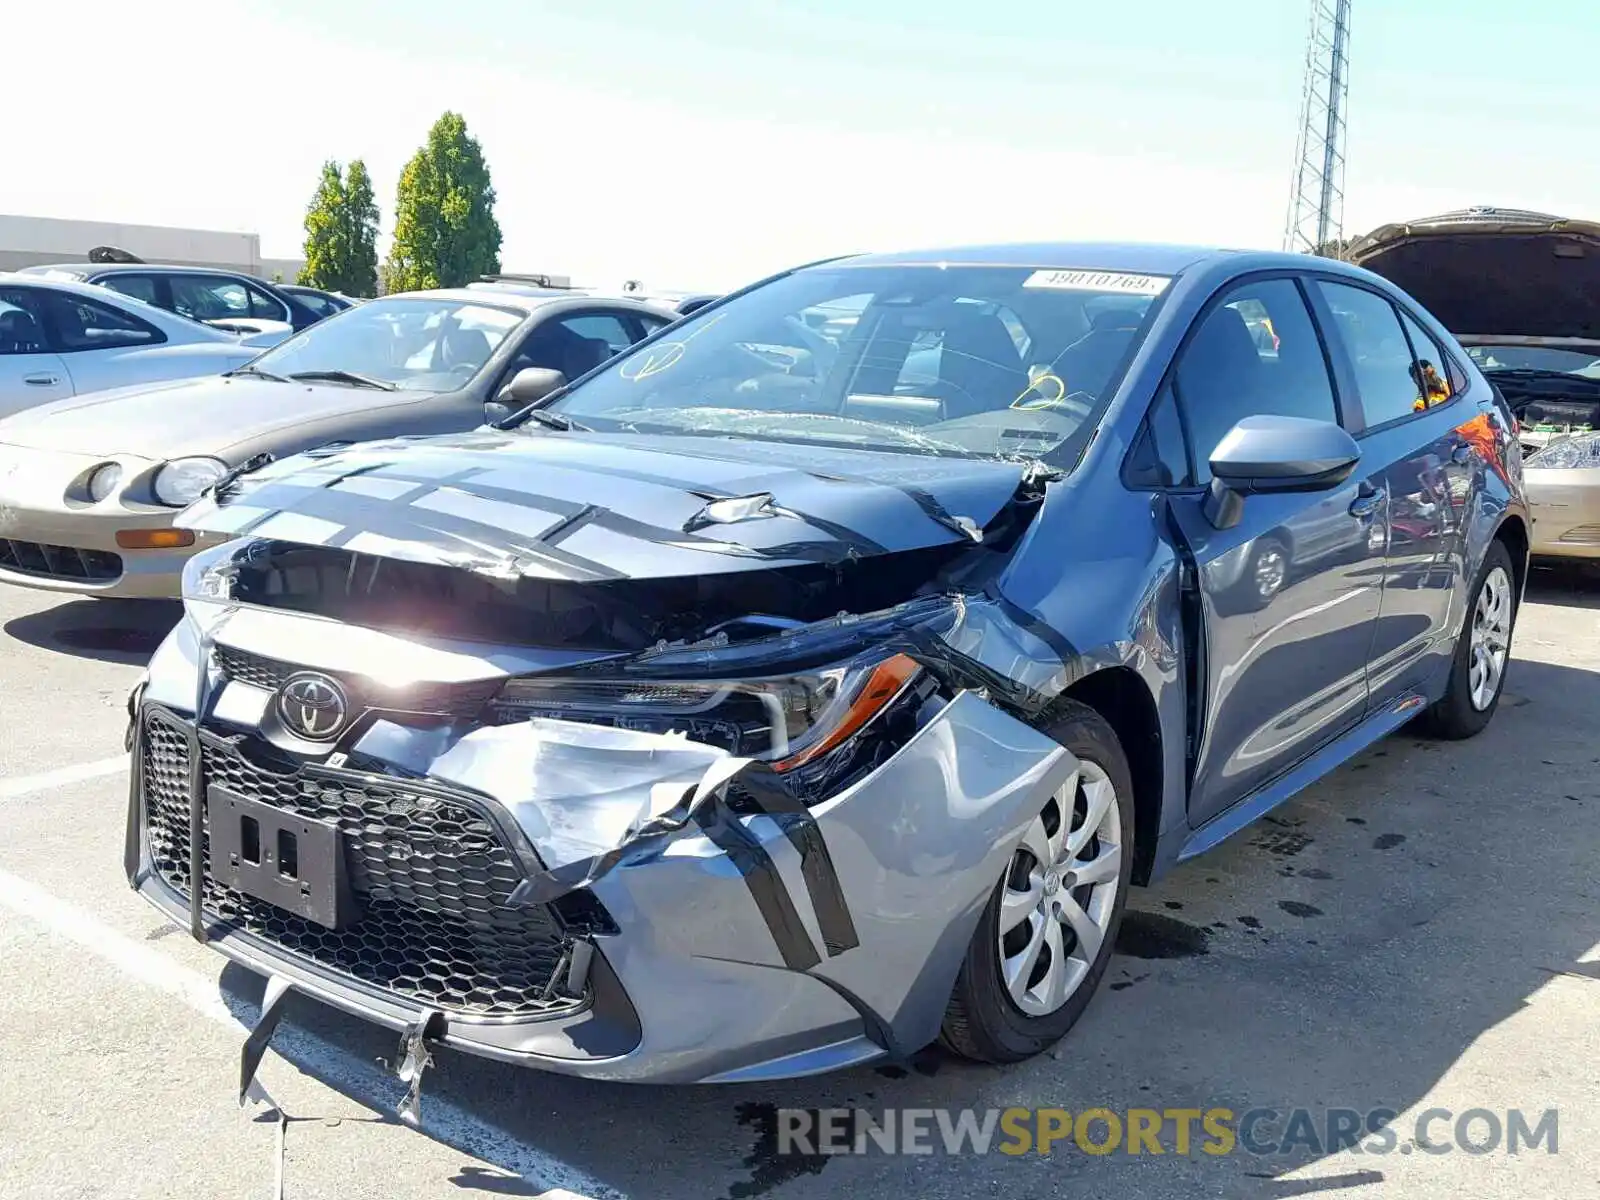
813	680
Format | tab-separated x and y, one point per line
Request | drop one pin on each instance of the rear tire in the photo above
1483	652
991	1020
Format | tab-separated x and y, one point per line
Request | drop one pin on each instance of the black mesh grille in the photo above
431	878
439	699
58	562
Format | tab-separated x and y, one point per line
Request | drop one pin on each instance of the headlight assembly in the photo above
789	721
180	482
1580	450
103	481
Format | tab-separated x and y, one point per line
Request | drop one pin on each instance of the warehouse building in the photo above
29	241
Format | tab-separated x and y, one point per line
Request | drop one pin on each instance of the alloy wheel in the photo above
1061	892
1491	639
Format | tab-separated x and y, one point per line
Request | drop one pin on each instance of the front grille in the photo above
459	700
431	876
59	562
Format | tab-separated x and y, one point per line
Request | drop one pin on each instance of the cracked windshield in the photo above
971	361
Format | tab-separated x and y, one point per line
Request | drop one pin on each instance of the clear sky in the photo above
699	143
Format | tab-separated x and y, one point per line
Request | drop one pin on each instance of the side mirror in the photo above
530	385
1265	454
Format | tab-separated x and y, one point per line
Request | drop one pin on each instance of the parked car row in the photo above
91	484
61	338
225	299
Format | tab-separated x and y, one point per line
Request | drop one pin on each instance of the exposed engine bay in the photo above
1548	404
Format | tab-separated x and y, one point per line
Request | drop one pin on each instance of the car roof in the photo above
1152	257
93	268
529	301
76	286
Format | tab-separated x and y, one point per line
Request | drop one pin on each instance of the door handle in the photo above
1368	500
1462	454
41	380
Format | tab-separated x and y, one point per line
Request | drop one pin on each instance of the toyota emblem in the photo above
313	706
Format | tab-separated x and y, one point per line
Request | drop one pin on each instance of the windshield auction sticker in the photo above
1100	281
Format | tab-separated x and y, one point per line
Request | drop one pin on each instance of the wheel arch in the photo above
1513	532
1119	695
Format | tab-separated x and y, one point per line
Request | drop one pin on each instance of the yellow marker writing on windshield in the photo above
1045	389
662	355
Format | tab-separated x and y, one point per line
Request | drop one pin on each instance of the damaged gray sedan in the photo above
813	681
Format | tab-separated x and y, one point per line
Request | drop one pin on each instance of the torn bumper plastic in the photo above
745	935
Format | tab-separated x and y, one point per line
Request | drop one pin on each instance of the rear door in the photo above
100	343
1289	596
30	371
1432	476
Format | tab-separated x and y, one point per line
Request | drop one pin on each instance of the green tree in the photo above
341	246
445	233
361	212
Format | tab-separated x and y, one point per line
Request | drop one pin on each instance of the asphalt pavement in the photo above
1421	931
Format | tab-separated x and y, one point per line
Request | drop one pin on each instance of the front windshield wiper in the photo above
554	420
349	377
254	373
791	427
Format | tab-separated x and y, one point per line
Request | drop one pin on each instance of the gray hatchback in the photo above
813	681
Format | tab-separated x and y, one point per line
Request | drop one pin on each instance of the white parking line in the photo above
10	789
442	1120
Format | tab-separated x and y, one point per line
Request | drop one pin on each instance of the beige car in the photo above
89	486
1521	291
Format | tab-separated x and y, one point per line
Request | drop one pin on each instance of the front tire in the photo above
1483	652
1050	926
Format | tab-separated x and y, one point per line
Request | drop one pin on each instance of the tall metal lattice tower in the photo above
1316	201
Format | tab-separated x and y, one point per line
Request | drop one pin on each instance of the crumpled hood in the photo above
593	507
187	416
1491	271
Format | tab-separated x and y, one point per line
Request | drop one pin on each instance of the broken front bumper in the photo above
712	955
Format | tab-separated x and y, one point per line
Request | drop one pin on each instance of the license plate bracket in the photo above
293	862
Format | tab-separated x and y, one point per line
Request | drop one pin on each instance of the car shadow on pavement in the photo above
116	631
1571	584
1346	952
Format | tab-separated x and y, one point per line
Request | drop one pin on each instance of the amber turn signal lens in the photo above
154	539
888	680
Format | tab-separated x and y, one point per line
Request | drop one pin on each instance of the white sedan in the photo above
60	339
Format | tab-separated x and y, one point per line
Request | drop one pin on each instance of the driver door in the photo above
1289	596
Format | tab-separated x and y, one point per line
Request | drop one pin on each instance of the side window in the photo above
82	324
21	329
1254	354
604	327
648	325
1432	370
1160	457
573	345
209	298
140	287
265	307
1376	342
